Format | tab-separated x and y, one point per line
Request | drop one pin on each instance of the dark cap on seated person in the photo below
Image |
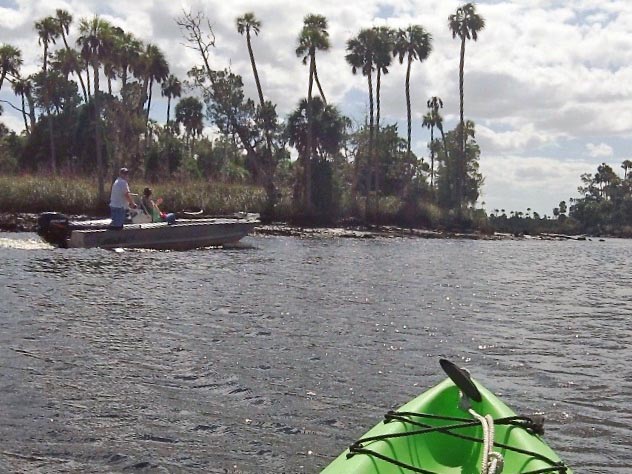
147	191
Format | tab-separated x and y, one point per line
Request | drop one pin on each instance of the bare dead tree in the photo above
198	33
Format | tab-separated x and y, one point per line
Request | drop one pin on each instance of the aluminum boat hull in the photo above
184	234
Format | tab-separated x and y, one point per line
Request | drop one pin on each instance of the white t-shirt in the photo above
119	189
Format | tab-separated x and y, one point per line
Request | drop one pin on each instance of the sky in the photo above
548	83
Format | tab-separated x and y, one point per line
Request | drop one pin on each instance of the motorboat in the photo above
139	232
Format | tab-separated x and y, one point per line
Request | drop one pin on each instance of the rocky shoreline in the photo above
24	222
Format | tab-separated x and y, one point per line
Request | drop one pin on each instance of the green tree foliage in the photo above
605	204
190	116
171	89
316	130
432	120
10	62
466	24
451	170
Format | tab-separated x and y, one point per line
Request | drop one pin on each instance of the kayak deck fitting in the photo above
456	427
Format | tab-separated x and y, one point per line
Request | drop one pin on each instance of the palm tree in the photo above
95	41
48	31
156	69
431	120
413	43
64	20
314	37
171	88
384	43
466	24
127	53
66	62
316	129
24	88
361	57
10	62
246	24
189	114
626	165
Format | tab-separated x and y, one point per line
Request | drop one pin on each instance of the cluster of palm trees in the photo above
101	50
371	53
315	128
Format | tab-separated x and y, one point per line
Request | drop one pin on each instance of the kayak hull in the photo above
443	452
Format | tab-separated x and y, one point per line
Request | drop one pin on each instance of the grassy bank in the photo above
22	194
78	195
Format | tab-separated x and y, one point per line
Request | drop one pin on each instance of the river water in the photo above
274	356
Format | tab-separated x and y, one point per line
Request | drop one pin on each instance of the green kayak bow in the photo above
456	427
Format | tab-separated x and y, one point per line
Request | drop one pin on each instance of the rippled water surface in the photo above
273	357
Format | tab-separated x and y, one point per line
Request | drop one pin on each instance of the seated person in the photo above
151	208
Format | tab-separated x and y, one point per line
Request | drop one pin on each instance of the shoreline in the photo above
27	222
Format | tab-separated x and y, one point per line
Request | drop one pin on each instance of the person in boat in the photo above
152	208
120	199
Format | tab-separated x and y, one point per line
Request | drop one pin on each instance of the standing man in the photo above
119	199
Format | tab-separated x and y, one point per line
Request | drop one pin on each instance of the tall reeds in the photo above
78	195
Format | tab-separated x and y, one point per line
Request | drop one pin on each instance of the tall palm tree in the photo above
466	24
24	88
127	52
64	20
431	120
412	43
95	41
313	37
246	24
171	88
626	165
10	62
48	31
156	69
384	43
361	57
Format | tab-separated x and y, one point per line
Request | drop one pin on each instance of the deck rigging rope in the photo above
529	424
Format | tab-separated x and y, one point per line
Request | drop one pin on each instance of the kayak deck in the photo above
431	434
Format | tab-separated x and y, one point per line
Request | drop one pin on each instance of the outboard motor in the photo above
54	228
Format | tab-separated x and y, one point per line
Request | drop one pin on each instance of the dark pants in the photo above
118	217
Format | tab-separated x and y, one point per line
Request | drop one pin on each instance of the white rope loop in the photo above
491	462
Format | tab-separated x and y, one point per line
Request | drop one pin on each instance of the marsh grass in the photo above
75	195
78	195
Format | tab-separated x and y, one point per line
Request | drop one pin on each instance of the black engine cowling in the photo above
54	228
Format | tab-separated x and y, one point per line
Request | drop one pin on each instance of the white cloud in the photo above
599	151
